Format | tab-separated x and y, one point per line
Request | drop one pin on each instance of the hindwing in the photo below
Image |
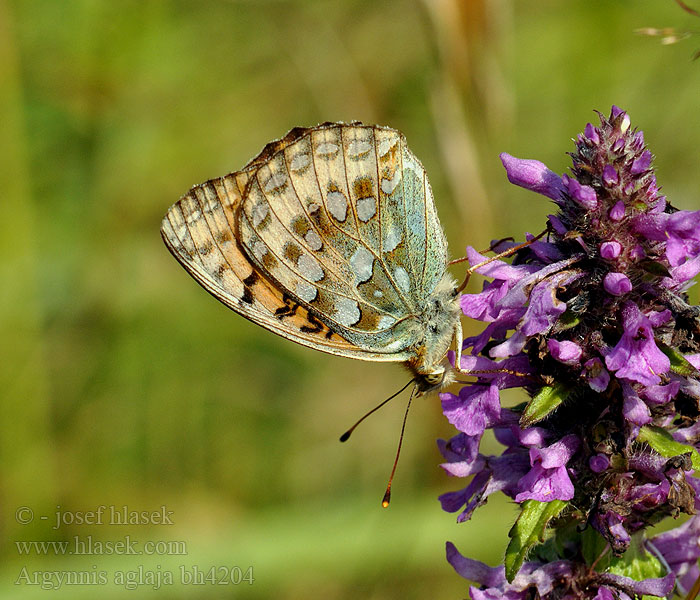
341	216
329	237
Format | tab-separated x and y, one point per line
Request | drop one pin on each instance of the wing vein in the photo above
406	228
403	298
425	221
337	275
324	317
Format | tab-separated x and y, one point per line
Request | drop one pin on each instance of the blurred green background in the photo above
124	383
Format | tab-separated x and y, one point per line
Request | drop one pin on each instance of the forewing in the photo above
341	216
199	230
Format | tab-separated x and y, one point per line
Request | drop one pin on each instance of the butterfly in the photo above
329	238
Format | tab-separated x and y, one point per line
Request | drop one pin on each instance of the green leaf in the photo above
593	546
636	563
528	530
543	404
662	441
679	363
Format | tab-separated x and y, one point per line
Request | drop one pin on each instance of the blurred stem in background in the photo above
469	98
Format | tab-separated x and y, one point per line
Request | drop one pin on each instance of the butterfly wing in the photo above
342	218
199	232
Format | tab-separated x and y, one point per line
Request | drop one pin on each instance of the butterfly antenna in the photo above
491	248
346	435
387	494
478	372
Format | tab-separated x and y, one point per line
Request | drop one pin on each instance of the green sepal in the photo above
529	530
654	267
568	320
543	404
640	205
679	363
661	440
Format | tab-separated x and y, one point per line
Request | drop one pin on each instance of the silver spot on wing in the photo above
362	262
327	150
389	185
366	208
386	145
259	212
275	182
392	238
300	162
259	249
347	311
306	291
402	279
313	240
310	268
358	148
385	322
337	205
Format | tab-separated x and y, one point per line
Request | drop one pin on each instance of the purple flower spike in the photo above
624	121
565	351
610	250
546	581
583	194
636	356
660	394
473	570
681	550
591	133
660	587
594	324
604	593
598	463
617	284
476	408
532	175
462	452
598	377
617	212
637	253
610	176
633	408
548	479
642	163
557	225
681	231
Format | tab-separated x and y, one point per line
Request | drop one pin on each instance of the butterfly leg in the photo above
498	256
458	346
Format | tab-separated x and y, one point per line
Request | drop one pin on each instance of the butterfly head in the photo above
434	379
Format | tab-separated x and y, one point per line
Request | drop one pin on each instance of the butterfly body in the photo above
329	237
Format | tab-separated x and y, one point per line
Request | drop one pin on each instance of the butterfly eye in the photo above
435	377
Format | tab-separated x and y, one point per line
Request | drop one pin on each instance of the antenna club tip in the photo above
345	437
386	499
